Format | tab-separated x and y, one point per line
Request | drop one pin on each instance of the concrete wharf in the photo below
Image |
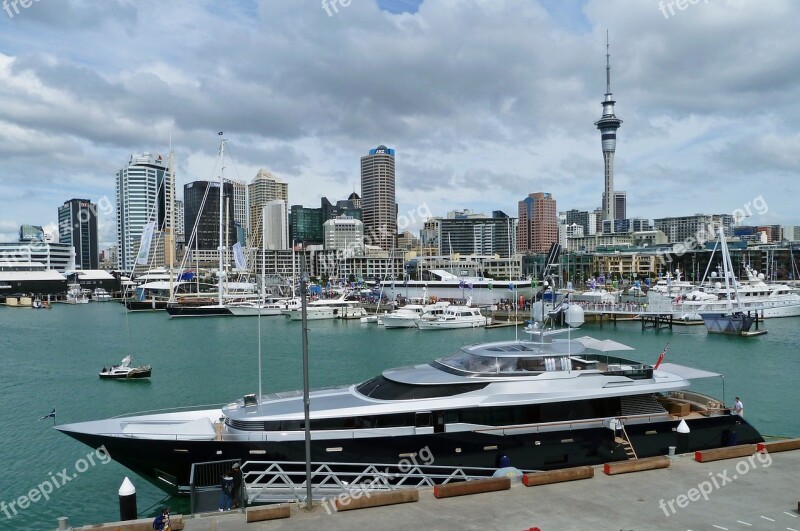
754	492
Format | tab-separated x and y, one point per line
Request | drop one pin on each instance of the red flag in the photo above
661	357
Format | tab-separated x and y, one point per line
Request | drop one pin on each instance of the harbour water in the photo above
50	359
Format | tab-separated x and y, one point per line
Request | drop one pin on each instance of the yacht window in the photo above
382	389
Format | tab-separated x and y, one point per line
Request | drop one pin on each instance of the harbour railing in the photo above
285	481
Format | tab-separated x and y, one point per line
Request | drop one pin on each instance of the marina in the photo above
341	352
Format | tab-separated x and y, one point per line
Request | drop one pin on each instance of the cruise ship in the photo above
542	403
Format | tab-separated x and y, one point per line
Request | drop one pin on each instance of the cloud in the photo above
484	101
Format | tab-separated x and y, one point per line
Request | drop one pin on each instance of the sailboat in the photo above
219	309
731	322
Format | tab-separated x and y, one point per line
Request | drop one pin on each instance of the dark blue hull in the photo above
167	463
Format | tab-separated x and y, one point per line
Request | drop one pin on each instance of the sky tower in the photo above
608	125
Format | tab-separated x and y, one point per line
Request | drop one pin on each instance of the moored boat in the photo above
541	403
124	371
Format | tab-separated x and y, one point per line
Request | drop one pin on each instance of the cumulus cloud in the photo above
484	101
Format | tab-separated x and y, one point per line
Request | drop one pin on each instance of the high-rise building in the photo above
348	207
538	223
276	228
143	189
378	204
180	229
264	188
699	227
791	233
201	215
608	125
578	217
240	211
482	235
305	225
620	205
344	234
77	226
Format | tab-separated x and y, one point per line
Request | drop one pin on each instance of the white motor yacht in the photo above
266	308
409	315
454	317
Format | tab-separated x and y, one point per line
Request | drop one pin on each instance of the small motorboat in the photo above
124	371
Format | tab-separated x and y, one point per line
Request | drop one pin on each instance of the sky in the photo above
484	101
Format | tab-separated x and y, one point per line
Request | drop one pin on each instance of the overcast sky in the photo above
484	101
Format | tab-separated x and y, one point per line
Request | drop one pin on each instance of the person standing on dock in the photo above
227	491
237	486
738	408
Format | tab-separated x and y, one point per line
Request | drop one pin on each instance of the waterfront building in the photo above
344	234
24	278
378	203
201	215
589	244
608	125
365	267
699	227
477	234
143	189
77	226
265	187
53	255
537	225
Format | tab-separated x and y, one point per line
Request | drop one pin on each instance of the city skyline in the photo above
475	125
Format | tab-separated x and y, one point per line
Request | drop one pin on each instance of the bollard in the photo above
63	523
127	501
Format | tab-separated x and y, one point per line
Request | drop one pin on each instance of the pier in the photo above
756	491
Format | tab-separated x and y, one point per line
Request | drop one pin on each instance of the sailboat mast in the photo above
171	244
726	270
221	187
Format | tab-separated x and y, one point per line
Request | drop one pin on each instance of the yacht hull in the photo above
447	325
167	463
198	311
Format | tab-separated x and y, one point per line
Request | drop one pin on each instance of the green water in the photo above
51	358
